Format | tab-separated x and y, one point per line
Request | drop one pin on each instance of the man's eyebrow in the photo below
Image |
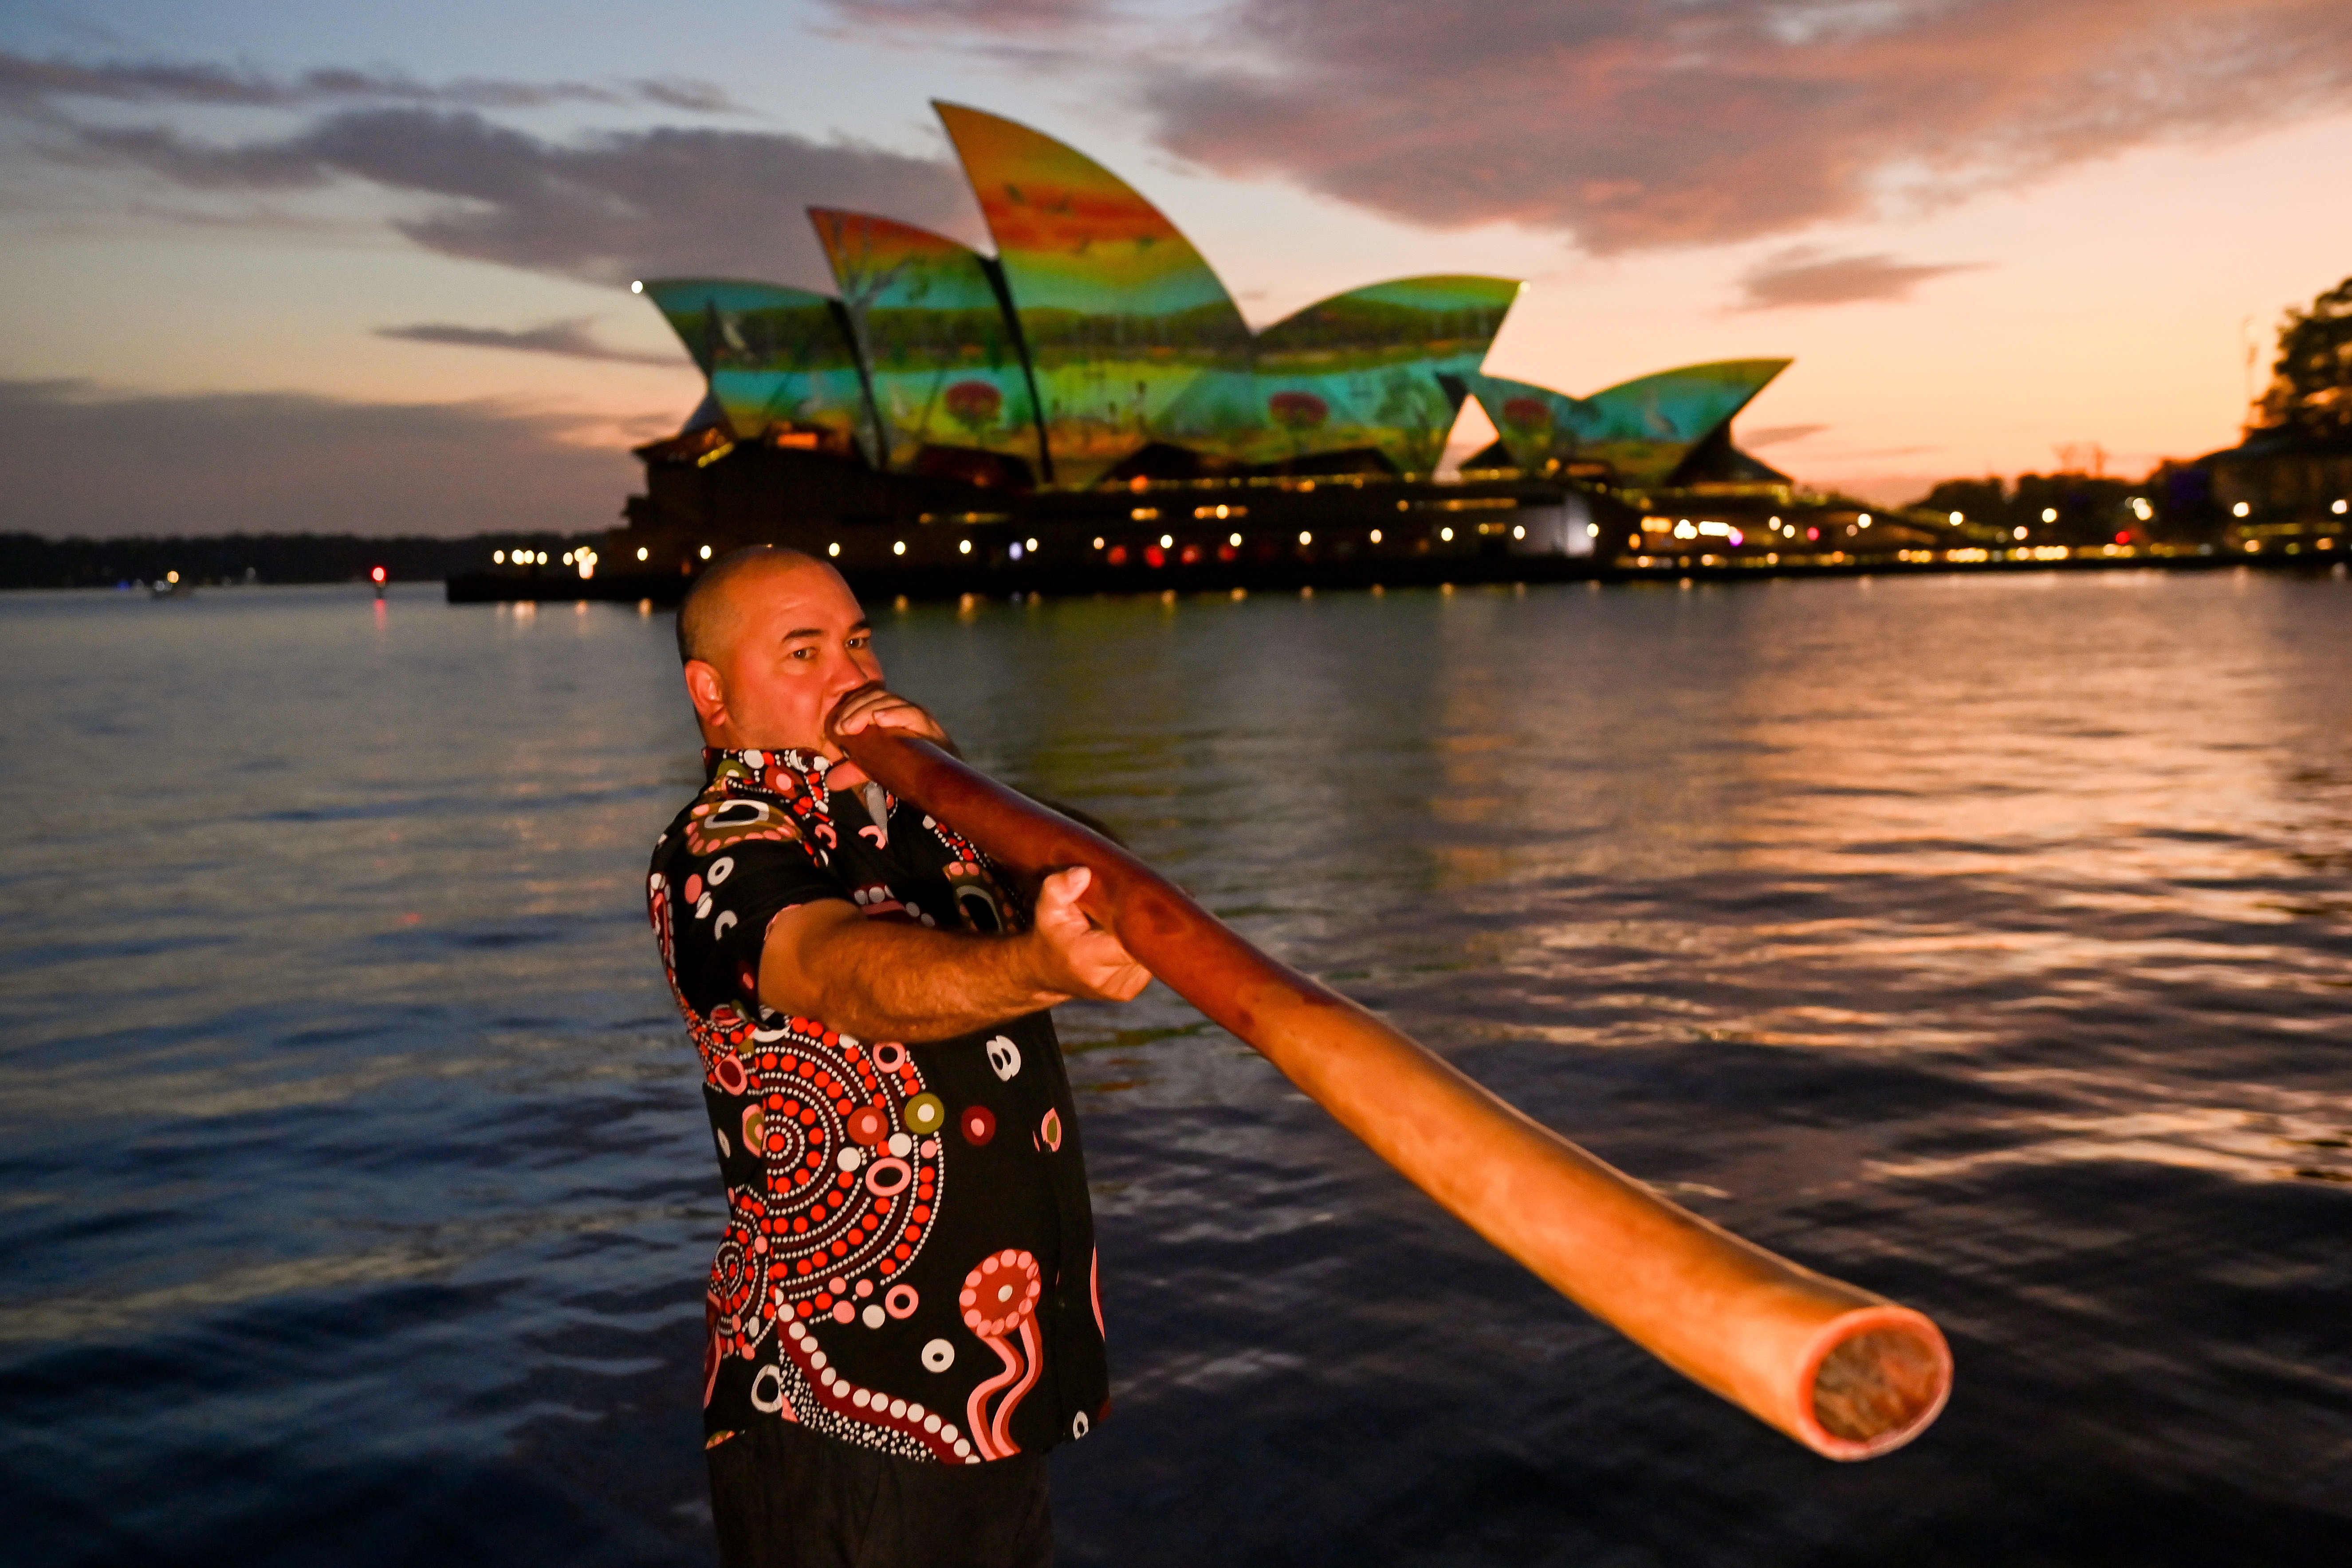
798	632
862	626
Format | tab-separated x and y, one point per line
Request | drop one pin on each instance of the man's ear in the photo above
708	689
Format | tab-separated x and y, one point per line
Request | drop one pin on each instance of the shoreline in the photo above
1429	571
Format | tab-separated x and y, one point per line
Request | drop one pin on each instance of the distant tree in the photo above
2311	388
1978	501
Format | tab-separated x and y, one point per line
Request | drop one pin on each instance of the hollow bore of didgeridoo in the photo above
1848	1374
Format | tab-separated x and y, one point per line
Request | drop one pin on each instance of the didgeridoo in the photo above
1846	1373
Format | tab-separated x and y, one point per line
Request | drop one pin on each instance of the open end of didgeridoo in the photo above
1878	1378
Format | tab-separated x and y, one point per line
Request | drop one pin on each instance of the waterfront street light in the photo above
2240	509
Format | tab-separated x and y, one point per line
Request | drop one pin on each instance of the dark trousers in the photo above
785	1498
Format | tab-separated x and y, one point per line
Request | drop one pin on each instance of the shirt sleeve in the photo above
725	902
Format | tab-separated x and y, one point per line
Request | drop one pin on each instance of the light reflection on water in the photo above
1984	940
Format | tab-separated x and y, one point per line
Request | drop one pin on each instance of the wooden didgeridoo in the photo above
1847	1373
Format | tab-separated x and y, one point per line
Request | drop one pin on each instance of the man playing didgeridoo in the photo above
904	1313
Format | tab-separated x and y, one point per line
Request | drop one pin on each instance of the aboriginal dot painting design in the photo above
829	1302
1000	1304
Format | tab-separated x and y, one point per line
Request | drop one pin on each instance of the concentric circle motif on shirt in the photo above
847	1181
1001	1293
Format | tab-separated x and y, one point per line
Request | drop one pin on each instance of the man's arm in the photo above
887	980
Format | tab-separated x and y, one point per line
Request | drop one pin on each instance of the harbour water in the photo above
1985	942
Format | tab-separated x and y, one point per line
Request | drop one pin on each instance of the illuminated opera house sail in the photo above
1098	346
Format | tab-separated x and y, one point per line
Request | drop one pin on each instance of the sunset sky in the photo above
281	266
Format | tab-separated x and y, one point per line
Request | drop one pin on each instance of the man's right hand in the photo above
1078	957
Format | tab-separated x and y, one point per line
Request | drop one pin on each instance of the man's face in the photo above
796	642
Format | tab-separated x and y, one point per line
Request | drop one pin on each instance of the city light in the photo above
1592	531
1446	534
1957	519
2341	508
2141	509
2020	531
497	557
1519	531
1097	541
1033	545
1864	519
1235	540
374	576
706	552
567	557
587	559
834	548
963	546
898	547
2049	514
1306	538
1167	541
2240	509
641	552
171	577
637	286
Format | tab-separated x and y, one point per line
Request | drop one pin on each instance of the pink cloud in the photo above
1644	122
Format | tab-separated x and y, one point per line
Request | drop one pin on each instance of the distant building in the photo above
1096	359
2283	473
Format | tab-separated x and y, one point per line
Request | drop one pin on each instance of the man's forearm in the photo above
886	980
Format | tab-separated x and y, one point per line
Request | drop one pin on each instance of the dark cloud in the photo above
81	462
23	78
667	202
1805	277
1646	122
570	338
970	16
1779	435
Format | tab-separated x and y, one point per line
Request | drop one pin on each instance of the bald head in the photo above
711	615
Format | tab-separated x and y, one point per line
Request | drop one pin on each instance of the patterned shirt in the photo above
909	1258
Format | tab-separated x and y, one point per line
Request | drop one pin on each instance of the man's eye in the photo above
860	642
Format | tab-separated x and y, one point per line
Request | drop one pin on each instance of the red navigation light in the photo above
377	574
2124	538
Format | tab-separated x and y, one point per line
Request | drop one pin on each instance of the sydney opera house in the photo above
1092	387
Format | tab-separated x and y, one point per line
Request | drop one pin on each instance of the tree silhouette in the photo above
2311	386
